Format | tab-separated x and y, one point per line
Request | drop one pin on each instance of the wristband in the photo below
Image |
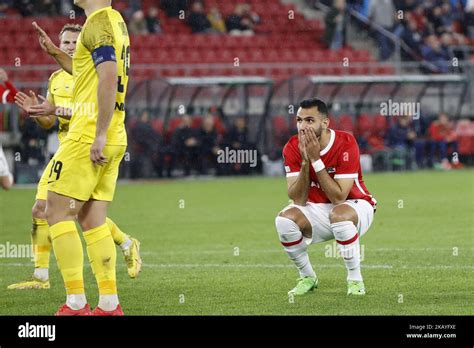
318	165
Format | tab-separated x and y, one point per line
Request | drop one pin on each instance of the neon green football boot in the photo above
133	258
355	288
304	285
33	283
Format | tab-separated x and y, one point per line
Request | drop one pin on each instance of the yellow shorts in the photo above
42	191
74	175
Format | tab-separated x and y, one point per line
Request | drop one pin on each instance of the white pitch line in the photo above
244	265
230	251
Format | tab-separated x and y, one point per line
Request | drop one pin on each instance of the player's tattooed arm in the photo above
298	187
63	59
336	190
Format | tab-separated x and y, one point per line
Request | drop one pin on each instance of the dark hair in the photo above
314	102
75	28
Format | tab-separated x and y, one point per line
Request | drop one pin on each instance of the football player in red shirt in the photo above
7	89
330	200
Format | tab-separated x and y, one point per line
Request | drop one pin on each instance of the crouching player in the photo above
330	199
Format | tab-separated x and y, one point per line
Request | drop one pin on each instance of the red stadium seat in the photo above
364	125
280	124
346	123
380	124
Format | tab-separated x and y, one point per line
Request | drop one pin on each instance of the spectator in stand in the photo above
236	139
47	8
216	20
252	16
33	139
382	13
400	138
406	5
145	141
420	126
185	143
418	15
469	18
173	8
443	137
7	89
128	7
209	145
240	22
336	22
411	36
153	21
435	19
197	18
5	5
434	53
137	24
25	7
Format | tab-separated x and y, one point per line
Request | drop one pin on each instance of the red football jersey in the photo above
342	160
7	92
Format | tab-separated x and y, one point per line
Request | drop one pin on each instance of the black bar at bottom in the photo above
341	330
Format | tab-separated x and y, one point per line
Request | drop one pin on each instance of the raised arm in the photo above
63	59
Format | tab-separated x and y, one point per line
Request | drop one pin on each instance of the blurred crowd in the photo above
413	144
38	7
428	27
191	147
241	22
191	144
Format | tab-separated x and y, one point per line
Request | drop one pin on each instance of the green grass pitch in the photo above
210	248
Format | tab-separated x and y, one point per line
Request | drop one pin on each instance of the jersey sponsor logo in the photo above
119	106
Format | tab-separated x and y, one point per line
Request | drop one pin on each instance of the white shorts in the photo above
4	171
318	216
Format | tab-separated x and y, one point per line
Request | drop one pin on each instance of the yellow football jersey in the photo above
60	88
104	27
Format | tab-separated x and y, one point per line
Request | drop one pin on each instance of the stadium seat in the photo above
364	125
380	124
280	124
346	123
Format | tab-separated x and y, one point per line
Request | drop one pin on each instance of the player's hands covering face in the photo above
312	145
301	145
